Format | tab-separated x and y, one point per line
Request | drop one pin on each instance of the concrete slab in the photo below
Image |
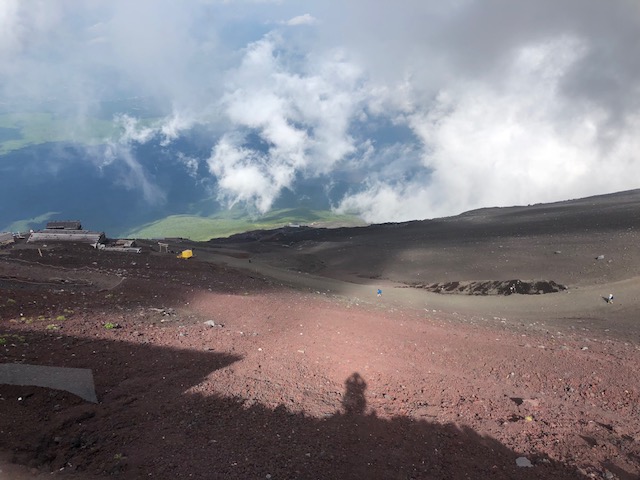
78	381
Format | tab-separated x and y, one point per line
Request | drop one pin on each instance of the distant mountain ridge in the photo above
236	221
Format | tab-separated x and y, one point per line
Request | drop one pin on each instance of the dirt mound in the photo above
495	287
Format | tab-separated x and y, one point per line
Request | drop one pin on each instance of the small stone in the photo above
523	462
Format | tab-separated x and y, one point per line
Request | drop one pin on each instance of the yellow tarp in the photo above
186	254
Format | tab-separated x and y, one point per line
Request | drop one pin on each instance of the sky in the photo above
428	108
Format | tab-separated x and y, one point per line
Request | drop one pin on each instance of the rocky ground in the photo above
243	363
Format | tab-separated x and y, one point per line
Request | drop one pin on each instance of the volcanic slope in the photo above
590	246
271	355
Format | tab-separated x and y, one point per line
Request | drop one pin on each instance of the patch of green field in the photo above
29	223
41	127
230	222
35	128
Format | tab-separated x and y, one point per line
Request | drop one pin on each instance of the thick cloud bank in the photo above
421	109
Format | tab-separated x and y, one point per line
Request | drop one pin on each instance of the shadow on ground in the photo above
557	242
152	422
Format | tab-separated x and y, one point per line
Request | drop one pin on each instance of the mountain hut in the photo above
64	225
63	235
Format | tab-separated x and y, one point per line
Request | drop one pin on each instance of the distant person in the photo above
379	292
610	298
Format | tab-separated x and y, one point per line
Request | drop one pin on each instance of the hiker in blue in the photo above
379	292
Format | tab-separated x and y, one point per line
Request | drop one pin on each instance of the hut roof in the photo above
64	225
6	238
61	235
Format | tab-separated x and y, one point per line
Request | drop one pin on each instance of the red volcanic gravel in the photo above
295	383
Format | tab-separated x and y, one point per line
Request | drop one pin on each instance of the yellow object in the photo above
529	418
186	254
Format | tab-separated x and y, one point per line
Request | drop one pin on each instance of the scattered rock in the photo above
494	287
163	311
211	323
523	462
600	257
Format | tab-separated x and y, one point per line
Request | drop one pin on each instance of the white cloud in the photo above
381	202
132	130
302	118
190	163
305	19
176	124
24	26
434	107
516	144
244	176
11	29
133	176
120	151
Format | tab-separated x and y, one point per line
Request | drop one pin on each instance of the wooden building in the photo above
64	235
124	243
64	225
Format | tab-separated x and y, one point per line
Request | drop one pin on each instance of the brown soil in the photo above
309	374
